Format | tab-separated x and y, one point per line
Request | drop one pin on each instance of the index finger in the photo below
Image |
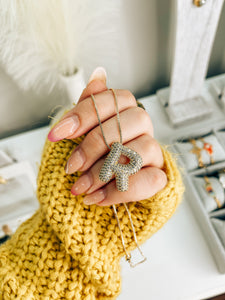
83	118
94	87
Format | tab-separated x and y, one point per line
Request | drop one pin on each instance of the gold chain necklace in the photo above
122	173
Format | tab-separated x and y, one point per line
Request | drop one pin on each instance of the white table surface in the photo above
179	265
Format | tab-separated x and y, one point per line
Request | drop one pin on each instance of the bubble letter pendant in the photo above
121	171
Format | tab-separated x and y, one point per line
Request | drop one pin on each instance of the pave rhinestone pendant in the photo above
121	171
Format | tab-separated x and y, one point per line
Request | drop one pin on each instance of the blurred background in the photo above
145	37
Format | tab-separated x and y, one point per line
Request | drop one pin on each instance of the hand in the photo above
89	156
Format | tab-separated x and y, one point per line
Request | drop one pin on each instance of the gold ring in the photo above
209	149
197	151
210	191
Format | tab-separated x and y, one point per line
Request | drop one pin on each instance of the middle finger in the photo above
93	146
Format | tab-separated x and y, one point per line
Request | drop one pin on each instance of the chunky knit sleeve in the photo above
82	228
69	250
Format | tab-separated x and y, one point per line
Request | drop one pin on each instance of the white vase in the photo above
74	85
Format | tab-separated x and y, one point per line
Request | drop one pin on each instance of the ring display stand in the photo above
195	31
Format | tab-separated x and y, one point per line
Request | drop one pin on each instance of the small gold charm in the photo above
2	180
121	171
199	3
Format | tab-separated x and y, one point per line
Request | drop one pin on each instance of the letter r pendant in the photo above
121	171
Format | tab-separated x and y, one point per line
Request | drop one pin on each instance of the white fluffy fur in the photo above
41	40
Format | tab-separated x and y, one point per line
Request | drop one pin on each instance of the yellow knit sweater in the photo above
68	250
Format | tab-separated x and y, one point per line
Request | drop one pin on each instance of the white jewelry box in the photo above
17	193
203	217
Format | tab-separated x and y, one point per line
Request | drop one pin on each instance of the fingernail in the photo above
96	197
75	162
64	129
98	73
82	184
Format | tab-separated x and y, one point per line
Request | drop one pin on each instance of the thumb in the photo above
96	83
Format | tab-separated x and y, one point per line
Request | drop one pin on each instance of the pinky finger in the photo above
142	185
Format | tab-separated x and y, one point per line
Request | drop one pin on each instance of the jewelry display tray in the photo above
203	217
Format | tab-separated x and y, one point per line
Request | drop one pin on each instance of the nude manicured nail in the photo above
96	197
82	184
98	73
75	162
64	129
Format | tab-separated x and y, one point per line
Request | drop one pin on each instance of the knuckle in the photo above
143	117
153	147
152	151
95	141
158	179
129	97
